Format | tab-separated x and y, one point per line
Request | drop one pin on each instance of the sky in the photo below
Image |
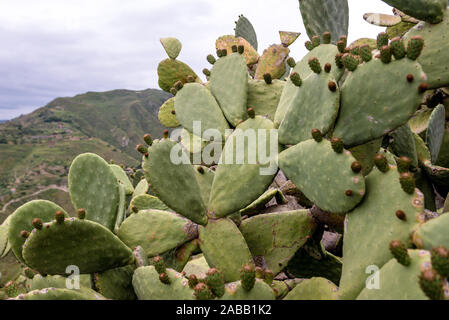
54	48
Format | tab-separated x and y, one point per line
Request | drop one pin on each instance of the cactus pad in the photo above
314	289
171	71
226	42
427	10
264	98
167	116
146	201
272	62
244	29
260	291
433	233
172	46
287	37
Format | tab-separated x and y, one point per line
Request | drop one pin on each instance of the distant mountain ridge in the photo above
36	149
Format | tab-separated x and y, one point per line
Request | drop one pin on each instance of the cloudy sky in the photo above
53	48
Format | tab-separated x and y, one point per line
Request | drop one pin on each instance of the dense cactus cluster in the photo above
354	208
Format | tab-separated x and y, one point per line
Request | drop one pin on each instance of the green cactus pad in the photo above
371	227
313	166
195	103
398	282
86	244
365	153
435	131
60	294
122	178
435	55
156	231
197	266
39	282
147	285
314	289
275	237
217	239
399	30
272	61
287	37
433	233
226	42
146	202
229	85
320	16
443	156
141	188
174	184
420	120
205	178
4	243
225	200
22	219
171	71
365	115
93	186
438	175
403	144
427	10
244	29
264	98
116	284
172	46
166	114
306	112
326	54
260	291
177	258
260	203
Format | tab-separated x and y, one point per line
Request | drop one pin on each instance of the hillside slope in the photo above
36	149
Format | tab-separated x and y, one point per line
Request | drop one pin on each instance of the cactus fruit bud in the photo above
241	49
423	87
146	154
356	167
206	72
159	264
29	273
24	234
382	40
173	91
234	48
178	85
140	148
165	134
399	252
296	79
341	46
259	273
381	163
339	60
431	284
365	53
327	67
215	281
268	277
59	217
11	289
350	62
337	145
81	214
404	164
410	78
148	139
440	261
414	48
349	193
251	113
224	52
317	135
248	277
344	39
267	78
355	50
332	86
211	59
316	41
385	54
397	48
291	62
193	281
327	36
401	215
309	45
134	209
163	277
190	79
202	292
200	169
219	53
407	182
37	223
315	65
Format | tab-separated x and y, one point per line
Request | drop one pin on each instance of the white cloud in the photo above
54	48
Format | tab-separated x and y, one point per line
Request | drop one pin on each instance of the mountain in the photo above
36	150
